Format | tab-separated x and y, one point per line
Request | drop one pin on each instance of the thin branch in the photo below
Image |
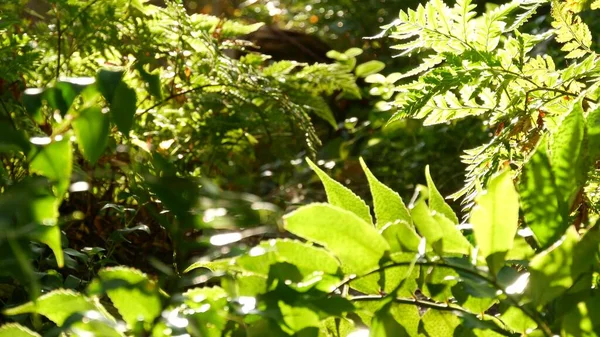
10	119
545	329
179	94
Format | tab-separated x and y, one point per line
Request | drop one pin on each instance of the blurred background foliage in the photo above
226	107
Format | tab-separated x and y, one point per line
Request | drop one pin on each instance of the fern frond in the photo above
463	13
571	31
428	63
491	26
530	7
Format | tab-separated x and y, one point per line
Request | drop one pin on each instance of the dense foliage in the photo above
131	137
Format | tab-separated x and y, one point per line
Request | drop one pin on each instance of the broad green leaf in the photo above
152	81
567	155
355	242
583	320
54	161
58	305
440	323
55	100
465	294
70	87
13	140
517	320
368	68
340	196
51	236
335	327
132	293
495	219
437	229
306	257
436	200
400	279
196	297
16	330
401	237
91	128
388	205
521	250
296	318
556	269
593	134
385	325
123	108
321	108
408	316
32	101
543	207
108	81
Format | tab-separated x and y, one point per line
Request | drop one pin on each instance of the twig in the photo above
545	329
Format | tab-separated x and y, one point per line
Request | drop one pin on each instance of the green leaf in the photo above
152	81
543	207
123	107
401	237
13	140
321	108
593	134
388	205
583	320
335	327
438	230
32	101
297	318
517	320
132	293
355	242
556	269
55	161
70	87
339	195
51	236
306	257
91	128
55	100
353	52
436	200
58	305
566	154
440	323
108	81
368	68
385	325
16	330
495	219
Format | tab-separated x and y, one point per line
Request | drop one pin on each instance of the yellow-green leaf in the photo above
495	219
388	205
356	243
339	195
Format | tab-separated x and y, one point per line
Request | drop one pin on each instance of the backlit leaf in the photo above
91	128
436	200
355	242
495	219
388	205
339	195
58	305
123	107
132	293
